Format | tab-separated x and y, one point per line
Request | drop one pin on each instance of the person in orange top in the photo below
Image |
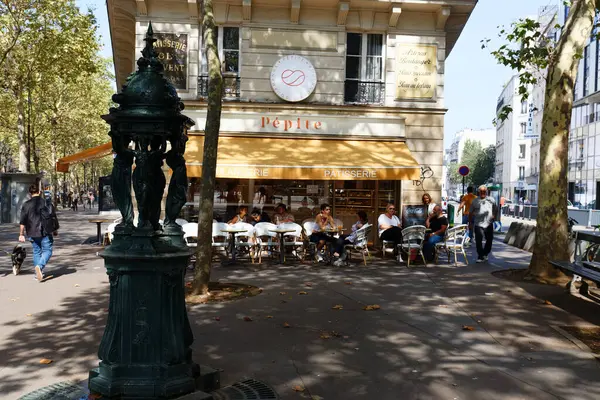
465	206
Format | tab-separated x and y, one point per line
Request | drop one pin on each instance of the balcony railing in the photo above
364	92
231	87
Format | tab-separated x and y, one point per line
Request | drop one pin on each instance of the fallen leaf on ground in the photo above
282	293
286	325
77	285
325	335
337	307
301	293
28	315
348	283
298	388
547	303
309	284
45	361
13	299
247	319
269	316
217	318
372	307
468	328
443	305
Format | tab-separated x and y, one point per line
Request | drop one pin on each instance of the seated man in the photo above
438	224
281	215
390	228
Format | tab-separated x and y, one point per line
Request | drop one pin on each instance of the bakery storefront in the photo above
324	102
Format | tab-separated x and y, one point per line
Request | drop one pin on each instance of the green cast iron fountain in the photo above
145	351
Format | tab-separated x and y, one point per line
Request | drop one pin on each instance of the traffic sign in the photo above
463	170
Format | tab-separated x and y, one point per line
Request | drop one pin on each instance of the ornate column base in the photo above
145	351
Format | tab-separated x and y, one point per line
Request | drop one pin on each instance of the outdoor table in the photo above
232	231
281	232
98	222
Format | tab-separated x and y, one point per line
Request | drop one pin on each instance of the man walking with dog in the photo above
39	222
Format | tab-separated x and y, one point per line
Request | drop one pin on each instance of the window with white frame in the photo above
228	45
524	107
364	68
521	151
521	173
523	128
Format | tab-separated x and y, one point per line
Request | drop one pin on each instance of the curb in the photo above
582	346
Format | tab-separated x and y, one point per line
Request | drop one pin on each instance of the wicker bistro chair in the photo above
245	241
310	248
361	243
292	240
220	239
454	243
265	239
413	238
190	234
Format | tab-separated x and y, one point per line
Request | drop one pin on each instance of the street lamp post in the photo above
145	351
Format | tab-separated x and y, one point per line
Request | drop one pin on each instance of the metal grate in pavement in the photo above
58	391
249	389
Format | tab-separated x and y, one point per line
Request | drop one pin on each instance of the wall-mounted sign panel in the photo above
416	71
172	49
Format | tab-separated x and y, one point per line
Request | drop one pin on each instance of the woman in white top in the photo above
426	199
389	227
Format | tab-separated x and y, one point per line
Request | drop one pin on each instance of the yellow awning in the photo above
283	158
62	165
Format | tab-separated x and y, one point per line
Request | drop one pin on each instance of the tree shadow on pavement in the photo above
69	335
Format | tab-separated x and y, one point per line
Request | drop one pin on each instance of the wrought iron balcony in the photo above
231	87
363	92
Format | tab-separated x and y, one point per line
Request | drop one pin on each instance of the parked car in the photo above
570	206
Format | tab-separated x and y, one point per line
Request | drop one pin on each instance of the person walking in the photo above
482	214
39	222
465	207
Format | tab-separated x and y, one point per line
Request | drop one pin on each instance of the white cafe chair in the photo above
293	239
413	238
361	243
245	240
265	238
454	243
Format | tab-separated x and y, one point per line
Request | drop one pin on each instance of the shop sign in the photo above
529	133
290	125
172	52
416	71
293	78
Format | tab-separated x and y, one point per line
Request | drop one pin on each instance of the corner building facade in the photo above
324	101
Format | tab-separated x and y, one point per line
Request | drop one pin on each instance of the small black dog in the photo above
18	256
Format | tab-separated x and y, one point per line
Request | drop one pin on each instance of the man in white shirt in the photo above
389	228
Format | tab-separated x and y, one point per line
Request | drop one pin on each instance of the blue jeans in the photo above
465	220
429	245
42	250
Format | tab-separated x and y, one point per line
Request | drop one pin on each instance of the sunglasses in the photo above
391	209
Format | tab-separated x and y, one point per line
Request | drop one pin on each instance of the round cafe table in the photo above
281	232
232	231
99	222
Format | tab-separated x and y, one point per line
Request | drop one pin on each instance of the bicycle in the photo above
592	250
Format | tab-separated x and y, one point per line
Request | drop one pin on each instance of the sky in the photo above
473	79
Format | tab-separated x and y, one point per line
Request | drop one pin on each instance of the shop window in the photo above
228	43
364	68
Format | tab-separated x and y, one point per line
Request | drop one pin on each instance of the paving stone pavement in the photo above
414	347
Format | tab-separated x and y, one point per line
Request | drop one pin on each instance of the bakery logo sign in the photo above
293	78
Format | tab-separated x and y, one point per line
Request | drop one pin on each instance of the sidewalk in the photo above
414	347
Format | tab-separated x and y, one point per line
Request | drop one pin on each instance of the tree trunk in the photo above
209	163
54	176
552	239
23	164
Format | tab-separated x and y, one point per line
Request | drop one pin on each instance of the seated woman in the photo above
438	224
343	240
323	221
240	216
426	200
389	228
257	216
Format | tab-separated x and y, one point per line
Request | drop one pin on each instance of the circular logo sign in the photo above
293	78
463	170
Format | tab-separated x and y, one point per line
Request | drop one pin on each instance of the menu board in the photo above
105	196
172	52
414	215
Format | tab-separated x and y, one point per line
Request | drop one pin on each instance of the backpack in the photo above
48	218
